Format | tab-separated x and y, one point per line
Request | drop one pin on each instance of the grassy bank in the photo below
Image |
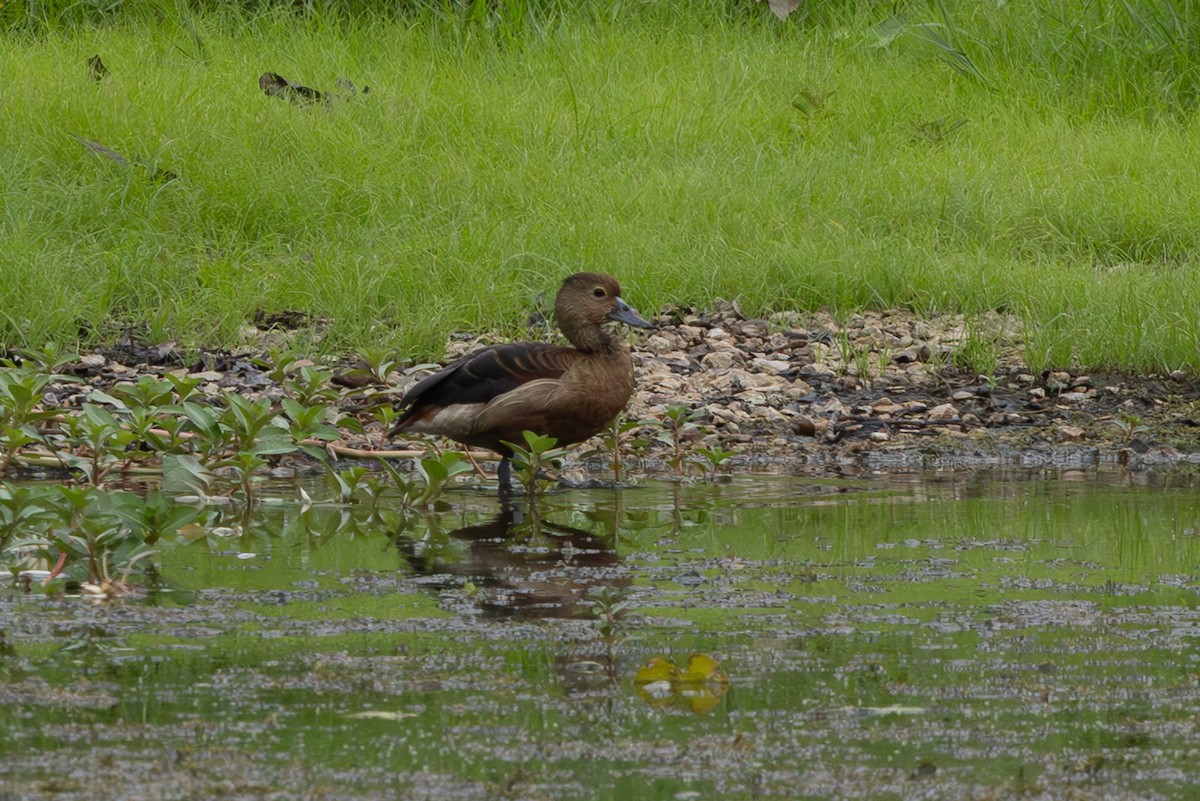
990	162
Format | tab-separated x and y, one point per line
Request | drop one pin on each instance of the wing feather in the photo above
480	377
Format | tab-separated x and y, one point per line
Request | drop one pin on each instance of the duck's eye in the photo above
599	292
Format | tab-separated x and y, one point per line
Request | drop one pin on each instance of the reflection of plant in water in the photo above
610	604
87	530
86	648
85	535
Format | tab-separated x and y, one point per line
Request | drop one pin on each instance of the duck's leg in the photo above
504	474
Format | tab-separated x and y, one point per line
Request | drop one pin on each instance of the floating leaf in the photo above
700	685
700	668
660	668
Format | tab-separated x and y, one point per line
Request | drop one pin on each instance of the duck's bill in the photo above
624	313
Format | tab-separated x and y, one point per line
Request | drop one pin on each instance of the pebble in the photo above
1071	433
945	411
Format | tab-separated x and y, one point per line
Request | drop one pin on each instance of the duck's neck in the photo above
590	338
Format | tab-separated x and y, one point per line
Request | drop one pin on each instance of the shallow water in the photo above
905	636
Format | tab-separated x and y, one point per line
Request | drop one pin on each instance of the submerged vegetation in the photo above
944	156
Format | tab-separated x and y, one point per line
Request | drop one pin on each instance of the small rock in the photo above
1071	433
775	366
962	395
753	398
660	344
92	361
1058	380
1071	398
803	426
880	436
718	360
798	390
945	411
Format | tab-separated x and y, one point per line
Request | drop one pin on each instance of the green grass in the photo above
694	155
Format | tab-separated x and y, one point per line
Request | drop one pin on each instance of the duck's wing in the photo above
480	377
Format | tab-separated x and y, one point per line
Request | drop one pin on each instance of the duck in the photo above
490	397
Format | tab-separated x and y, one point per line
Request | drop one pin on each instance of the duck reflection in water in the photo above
526	567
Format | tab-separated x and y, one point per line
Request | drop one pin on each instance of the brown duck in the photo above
490	397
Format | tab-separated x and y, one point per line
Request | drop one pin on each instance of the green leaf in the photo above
97	396
100	417
202	418
184	474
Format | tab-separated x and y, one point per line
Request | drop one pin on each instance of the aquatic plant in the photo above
676	422
713	459
21	392
531	460
434	470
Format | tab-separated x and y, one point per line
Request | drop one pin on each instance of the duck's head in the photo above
588	300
